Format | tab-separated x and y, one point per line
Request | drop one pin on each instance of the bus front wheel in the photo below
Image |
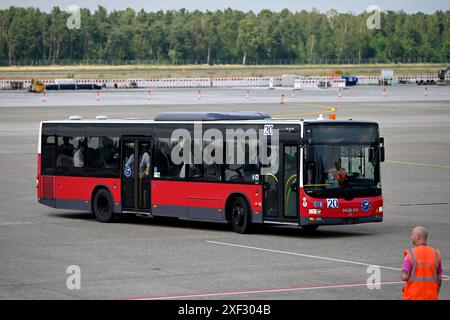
240	215
103	206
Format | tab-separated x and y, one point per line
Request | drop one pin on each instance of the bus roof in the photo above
211	116
265	121
245	117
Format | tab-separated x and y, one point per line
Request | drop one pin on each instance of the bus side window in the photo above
247	172
70	155
48	155
102	153
163	160
209	170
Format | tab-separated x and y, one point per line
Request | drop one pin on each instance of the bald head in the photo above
419	235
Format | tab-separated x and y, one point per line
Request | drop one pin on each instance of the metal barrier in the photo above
303	83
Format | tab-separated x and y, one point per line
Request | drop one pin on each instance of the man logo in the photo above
365	205
73	282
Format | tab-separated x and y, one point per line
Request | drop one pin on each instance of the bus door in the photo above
135	176
280	189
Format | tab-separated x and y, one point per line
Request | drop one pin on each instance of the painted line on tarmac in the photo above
301	255
445	277
418	164
269	290
18	223
328	109
27	223
417	204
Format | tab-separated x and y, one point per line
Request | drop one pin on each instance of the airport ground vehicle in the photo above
300	185
62	84
37	86
350	80
442	75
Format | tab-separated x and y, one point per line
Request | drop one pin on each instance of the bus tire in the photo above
240	215
103	206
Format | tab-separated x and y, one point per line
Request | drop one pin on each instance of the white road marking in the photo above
302	255
21	223
273	290
18	223
419	164
308	256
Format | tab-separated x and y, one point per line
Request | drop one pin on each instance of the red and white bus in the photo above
327	171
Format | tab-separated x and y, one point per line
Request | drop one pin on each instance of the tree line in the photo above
29	36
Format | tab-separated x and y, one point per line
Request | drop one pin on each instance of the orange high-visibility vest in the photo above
423	279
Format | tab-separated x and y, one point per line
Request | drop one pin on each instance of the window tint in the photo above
102	156
70	155
244	172
163	166
341	134
211	171
48	155
341	171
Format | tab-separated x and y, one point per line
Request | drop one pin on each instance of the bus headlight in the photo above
379	209
314	211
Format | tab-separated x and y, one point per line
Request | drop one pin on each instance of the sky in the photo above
355	6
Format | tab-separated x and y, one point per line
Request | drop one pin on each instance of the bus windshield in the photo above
344	167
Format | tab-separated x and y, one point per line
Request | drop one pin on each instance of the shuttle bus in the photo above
241	168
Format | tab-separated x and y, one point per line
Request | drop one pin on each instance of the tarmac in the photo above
171	259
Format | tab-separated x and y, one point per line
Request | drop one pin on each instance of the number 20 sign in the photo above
332	203
268	130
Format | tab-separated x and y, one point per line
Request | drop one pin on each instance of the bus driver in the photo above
337	173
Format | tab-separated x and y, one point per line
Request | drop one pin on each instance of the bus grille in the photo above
48	187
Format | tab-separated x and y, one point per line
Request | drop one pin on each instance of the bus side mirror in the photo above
381	154
304	142
382	149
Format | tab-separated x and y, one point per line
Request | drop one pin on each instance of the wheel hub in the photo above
238	215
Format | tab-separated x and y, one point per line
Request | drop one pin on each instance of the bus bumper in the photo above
322	221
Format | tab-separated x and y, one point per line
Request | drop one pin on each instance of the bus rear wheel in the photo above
103	206
240	215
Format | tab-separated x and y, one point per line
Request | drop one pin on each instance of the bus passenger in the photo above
144	165
78	157
65	153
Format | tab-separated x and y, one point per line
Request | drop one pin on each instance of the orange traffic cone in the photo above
44	96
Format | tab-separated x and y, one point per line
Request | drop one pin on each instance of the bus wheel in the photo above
310	228
103	206
240	215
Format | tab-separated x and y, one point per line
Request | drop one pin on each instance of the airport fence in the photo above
301	83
